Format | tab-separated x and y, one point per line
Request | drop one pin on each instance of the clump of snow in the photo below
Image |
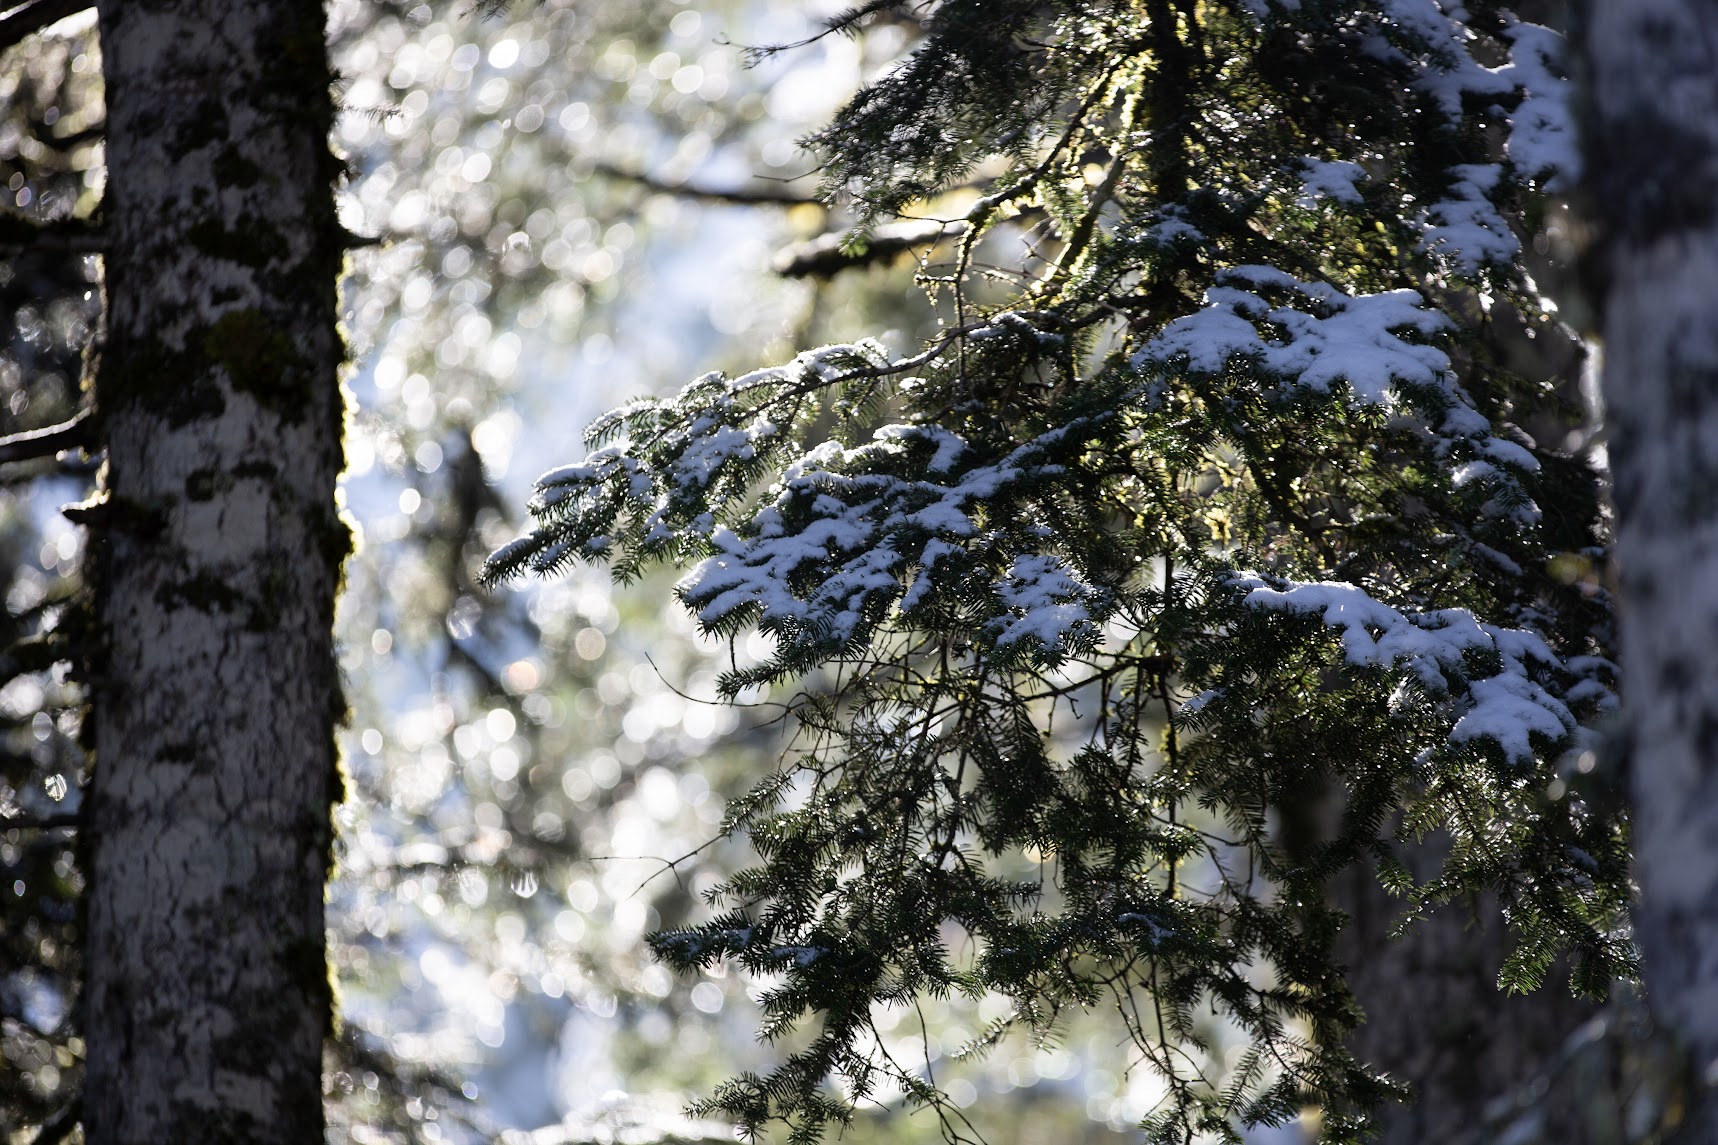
1046	602
1466	229
1010	323
1440	646
1330	337
1330	179
1172	227
1370	342
840	535
1543	140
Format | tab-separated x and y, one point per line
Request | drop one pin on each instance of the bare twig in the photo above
753	197
29	19
49	440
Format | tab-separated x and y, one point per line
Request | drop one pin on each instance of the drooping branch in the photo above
77	433
32	18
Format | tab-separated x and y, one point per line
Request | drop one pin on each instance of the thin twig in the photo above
754	197
30	19
78	433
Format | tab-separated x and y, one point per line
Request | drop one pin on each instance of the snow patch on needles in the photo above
1440	647
1047	603
1333	337
1323	337
1467	229
832	549
1330	179
1543	141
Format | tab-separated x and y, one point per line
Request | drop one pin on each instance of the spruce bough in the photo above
1218	508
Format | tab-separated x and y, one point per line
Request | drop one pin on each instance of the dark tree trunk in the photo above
1436	1019
218	551
1654	164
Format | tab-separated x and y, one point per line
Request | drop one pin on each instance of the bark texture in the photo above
218	546
1654	158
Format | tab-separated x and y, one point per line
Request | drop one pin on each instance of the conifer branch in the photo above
30	19
757	197
77	433
949	554
844	23
829	254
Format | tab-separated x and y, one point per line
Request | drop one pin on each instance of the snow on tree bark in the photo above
1655	179
218	553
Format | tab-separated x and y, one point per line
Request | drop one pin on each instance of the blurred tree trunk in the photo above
218	549
1654	162
1436	1019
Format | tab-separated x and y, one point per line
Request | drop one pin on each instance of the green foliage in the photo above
1223	516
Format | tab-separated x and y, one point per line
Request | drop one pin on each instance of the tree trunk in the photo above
1654	161
218	549
1436	1019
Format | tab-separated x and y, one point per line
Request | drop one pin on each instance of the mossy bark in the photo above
1654	176
215	692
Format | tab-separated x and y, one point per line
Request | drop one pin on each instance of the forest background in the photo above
569	206
580	207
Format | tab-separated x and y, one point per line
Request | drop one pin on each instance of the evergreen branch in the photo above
759	197
843	23
77	433
70	236
27	21
829	254
1198	398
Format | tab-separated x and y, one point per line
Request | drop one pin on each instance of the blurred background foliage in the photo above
568	204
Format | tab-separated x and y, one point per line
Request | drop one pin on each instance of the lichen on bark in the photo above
215	693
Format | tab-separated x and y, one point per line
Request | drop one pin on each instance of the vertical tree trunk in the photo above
215	690
1654	145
